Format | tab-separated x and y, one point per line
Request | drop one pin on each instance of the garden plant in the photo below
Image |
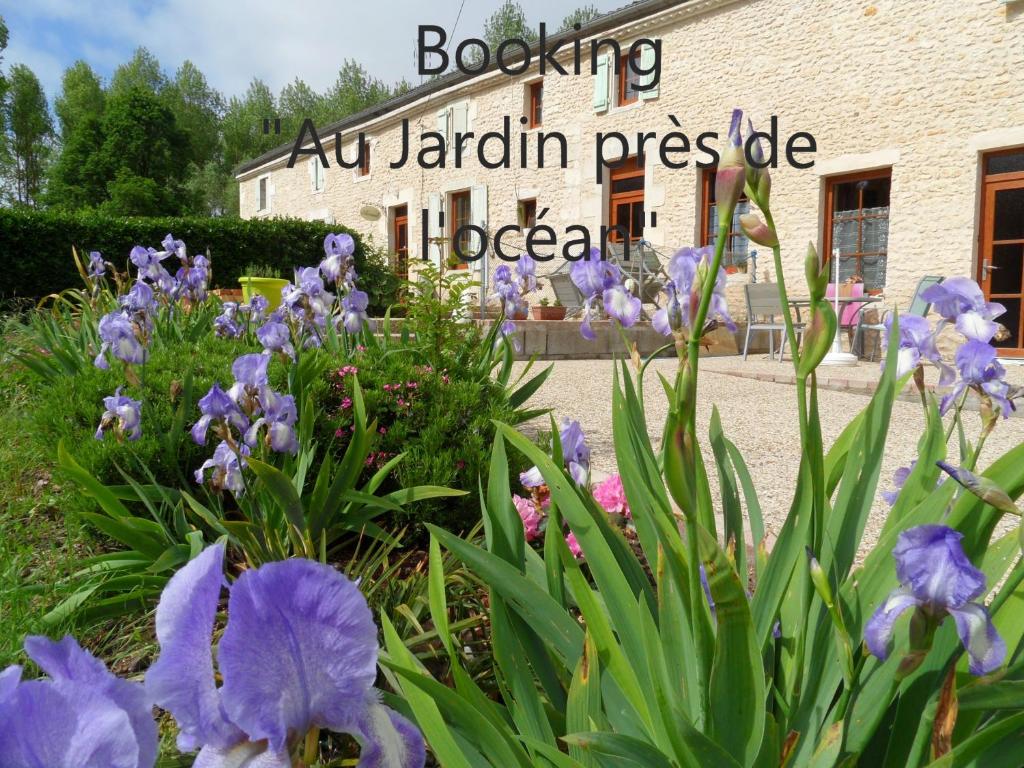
638	621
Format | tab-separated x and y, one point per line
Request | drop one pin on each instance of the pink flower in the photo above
383	430
611	496
346	403
574	546
339	432
529	515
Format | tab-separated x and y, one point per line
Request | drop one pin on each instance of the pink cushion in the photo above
849	312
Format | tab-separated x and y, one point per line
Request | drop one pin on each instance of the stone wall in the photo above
921	86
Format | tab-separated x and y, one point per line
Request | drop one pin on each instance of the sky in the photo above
232	42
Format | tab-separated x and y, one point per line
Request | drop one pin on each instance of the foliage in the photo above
506	23
29	128
36	246
581	16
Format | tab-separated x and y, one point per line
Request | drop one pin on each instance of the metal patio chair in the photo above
919	307
763	306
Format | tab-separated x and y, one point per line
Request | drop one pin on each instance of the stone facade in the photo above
923	87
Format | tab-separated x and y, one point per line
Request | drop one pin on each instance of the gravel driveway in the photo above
759	417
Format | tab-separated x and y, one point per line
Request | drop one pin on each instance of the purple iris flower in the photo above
299	652
227	466
82	717
250	372
596	279
526	271
687	270
139	299
937	580
917	344
174	247
117	334
218	408
575	453
123	415
982	372
279	416
899	479
226	324
353	305
670	317
97	267
257	308
338	250
276	337
960	300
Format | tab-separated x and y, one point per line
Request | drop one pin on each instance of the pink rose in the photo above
611	496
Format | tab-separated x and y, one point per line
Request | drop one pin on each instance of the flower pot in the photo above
267	287
541	312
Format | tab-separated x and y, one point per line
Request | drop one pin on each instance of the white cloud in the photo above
233	42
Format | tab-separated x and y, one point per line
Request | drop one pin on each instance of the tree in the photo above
242	128
144	155
78	179
580	16
81	97
297	102
354	91
142	71
197	109
30	131
508	22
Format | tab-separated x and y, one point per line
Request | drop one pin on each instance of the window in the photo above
460	217
857	225
628	79
364	165
318	174
527	214
737	245
264	198
1001	253
626	201
400	242
535	103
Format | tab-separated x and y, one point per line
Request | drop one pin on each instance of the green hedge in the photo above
35	248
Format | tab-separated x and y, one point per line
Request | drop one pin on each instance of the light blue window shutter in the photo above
442	123
433	229
601	83
647	62
478	216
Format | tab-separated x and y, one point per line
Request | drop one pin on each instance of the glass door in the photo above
1001	253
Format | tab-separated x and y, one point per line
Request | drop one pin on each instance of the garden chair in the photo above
763	306
566	292
919	307
644	268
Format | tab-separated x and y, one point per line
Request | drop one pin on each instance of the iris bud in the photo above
758	231
816	273
759	182
821	331
730	176
985	489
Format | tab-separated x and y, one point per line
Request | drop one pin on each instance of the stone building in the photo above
916	109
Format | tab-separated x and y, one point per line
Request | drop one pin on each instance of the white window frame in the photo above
260	207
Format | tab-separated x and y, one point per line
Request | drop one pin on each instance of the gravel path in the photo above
759	417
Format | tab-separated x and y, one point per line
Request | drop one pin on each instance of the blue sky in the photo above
232	42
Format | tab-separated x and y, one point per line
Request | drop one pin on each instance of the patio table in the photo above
836	356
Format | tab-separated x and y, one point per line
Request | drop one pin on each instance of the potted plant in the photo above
454	262
545	310
264	280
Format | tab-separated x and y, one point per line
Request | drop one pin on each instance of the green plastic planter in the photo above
267	287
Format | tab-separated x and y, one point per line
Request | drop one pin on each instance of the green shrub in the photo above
441	422
69	409
35	248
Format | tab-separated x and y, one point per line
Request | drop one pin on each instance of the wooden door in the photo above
1001	251
626	201
400	238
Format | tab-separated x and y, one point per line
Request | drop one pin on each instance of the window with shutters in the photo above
857	225
535	103
628	79
461	215
364	165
